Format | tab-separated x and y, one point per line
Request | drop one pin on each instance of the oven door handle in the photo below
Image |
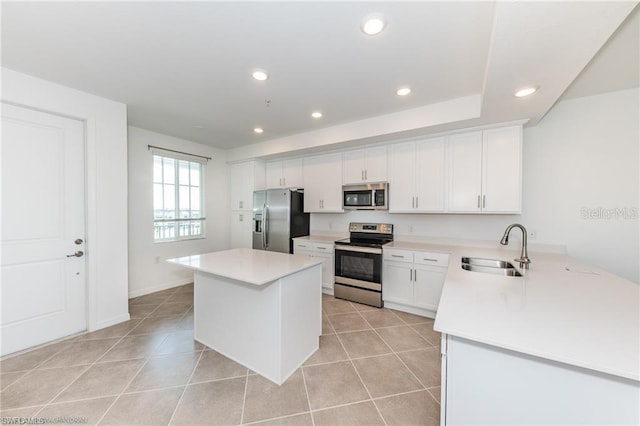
358	249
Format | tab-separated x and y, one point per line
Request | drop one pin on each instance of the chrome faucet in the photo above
524	258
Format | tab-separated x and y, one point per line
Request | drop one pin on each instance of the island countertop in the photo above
257	267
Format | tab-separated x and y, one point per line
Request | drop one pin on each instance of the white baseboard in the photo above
111	321
410	309
160	287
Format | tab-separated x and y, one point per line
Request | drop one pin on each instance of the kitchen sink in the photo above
489	266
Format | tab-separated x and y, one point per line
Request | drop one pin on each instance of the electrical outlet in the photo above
410	228
158	259
330	225
532	234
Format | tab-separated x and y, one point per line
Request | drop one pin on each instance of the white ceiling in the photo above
178	65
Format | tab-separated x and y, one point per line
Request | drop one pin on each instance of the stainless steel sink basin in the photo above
489	266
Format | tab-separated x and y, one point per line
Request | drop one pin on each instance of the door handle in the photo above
79	253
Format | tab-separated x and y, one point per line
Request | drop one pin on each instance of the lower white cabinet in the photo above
412	280
323	251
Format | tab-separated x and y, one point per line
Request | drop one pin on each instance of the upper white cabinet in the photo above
364	165
485	171
322	181
417	177
284	174
245	178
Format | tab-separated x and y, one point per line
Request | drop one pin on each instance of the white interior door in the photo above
43	224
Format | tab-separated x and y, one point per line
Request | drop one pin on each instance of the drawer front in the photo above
302	245
397	255
323	247
434	259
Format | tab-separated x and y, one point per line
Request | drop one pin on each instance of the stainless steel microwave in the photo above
372	196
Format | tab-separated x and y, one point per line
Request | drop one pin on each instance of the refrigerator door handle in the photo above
265	230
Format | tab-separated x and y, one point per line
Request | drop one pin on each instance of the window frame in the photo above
176	198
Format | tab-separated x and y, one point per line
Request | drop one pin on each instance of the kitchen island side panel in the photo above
483	384
239	320
301	317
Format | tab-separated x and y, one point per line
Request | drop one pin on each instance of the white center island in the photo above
262	309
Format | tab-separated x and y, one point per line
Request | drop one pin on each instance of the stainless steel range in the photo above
359	263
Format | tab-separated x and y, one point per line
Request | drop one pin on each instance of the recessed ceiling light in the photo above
403	91
260	75
526	91
373	24
316	114
258	130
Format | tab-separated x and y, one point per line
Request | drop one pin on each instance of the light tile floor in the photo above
374	366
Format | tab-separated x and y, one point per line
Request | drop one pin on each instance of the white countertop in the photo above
256	267
323	238
583	316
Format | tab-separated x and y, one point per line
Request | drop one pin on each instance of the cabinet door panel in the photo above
328	270
501	174
402	167
465	172
396	283
292	173
273	173
241	232
323	183
241	185
376	164
353	167
428	286
430	187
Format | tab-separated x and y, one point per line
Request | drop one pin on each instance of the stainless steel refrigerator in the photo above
278	216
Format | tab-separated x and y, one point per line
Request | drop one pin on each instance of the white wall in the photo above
106	186
148	272
584	153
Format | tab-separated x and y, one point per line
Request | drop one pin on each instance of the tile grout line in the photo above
396	355
360	377
402	361
96	362
88	366
195	366
72	341
244	397
306	391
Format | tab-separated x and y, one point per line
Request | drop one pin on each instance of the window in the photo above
178	202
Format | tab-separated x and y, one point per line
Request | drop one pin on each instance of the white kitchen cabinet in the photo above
244	178
364	165
412	280
485	171
417	177
241	232
427	286
284	174
323	183
397	282
323	251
